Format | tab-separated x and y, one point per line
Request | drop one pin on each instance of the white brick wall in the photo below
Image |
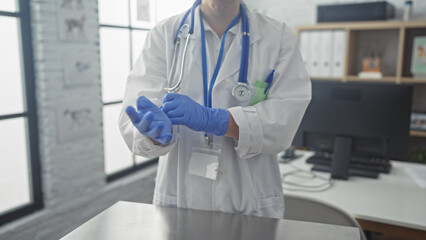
303	12
74	186
73	168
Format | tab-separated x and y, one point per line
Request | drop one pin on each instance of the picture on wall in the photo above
76	119
144	10
79	69
143	13
72	20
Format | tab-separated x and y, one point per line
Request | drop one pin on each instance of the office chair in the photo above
311	210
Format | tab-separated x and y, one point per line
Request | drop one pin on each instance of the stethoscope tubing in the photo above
245	51
242	79
173	67
177	47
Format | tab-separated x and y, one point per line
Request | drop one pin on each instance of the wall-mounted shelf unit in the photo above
393	39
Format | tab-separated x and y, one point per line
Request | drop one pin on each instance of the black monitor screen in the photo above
376	116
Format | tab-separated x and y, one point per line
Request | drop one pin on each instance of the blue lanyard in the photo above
208	102
242	78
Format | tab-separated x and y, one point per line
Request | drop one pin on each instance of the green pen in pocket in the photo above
262	89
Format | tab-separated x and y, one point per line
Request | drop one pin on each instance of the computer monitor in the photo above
374	118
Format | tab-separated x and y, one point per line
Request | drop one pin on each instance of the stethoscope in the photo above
241	91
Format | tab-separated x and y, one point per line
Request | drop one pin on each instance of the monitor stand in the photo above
339	164
341	157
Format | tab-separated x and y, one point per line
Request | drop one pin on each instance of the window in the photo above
124	26
19	164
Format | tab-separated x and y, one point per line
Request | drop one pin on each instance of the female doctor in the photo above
216	93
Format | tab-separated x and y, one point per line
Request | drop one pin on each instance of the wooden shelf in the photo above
326	79
372	25
413	80
415	133
354	33
383	79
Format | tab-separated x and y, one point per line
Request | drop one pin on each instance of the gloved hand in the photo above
182	110
150	120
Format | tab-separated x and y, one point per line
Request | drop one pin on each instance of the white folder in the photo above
315	53
338	59
305	41
325	54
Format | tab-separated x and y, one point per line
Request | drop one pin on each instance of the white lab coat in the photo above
250	182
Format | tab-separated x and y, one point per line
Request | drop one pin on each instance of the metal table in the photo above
127	220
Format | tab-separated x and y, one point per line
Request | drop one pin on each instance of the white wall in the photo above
303	12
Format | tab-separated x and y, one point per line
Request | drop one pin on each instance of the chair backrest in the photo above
311	210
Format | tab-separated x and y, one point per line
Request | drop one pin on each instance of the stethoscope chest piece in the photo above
241	92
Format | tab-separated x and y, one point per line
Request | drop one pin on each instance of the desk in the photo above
394	203
126	220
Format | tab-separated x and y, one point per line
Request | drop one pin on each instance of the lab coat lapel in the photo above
196	50
232	60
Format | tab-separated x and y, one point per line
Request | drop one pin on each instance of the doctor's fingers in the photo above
144	124
175	113
179	120
155	130
134	116
170	106
164	139
171	96
143	104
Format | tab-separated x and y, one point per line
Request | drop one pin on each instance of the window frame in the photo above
135	167
24	16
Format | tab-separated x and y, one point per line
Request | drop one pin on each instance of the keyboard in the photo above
352	172
379	165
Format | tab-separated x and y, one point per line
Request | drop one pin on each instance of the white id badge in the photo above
204	161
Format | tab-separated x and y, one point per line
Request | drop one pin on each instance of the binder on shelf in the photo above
338	51
325	54
305	41
314	53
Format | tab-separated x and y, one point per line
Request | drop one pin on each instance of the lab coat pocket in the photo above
272	207
165	200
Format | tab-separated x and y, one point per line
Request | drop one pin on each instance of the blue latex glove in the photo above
182	110
150	120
